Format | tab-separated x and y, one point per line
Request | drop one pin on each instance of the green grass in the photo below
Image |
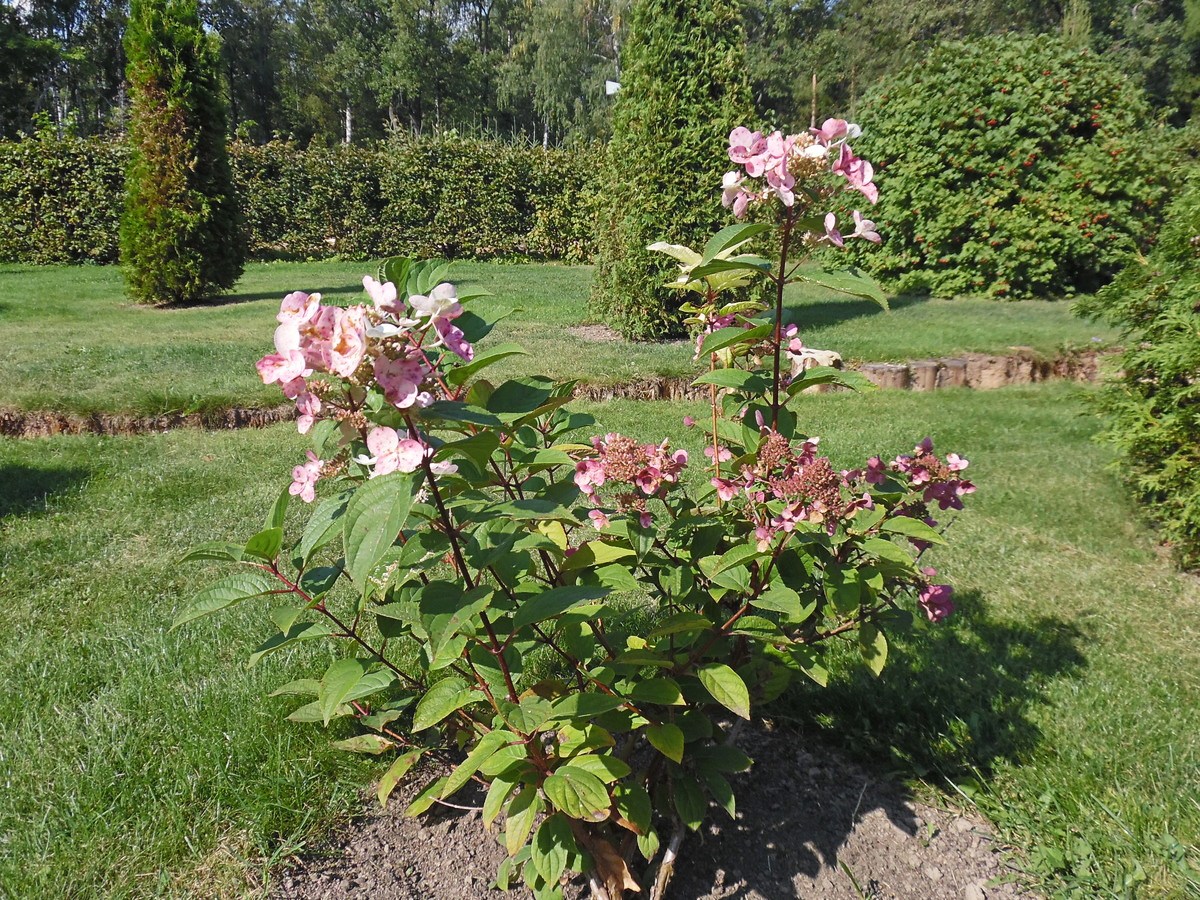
74	343
149	763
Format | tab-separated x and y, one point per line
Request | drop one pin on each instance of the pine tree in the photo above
181	234
684	87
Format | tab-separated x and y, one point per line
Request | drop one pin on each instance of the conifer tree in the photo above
181	235
684	87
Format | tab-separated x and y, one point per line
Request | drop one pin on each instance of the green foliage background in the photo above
1010	166
684	87
439	196
181	235
1154	404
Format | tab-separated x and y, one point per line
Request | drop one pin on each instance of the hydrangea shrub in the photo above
578	624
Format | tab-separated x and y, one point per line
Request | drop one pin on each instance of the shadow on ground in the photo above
25	489
825	313
952	702
341	290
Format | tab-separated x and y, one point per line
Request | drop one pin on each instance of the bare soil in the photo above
810	825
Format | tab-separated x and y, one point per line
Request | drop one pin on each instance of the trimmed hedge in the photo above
60	201
1154	404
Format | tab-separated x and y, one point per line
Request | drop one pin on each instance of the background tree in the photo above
683	89
1011	166
25	75
180	236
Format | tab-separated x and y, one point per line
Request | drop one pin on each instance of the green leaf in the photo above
855	381
426	798
278	511
460	374
726	687
872	643
606	767
497	793
690	802
751	264
912	528
229	590
479	754
522	812
323	526
373	519
301	631
722	758
397	770
518	397
633	804
578	793
680	623
843	589
222	551
667	739
553	845
444	698
727	337
373	744
585	706
734	556
847	281
663	691
554	602
738	379
265	544
781	599
454	411
339	679
731	236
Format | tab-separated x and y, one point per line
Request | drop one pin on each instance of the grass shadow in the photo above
954	699
25	489
255	296
826	313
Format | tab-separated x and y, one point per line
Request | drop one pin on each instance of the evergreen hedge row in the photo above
60	200
1153	403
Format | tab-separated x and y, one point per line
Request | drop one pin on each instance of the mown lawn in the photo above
74	343
1065	696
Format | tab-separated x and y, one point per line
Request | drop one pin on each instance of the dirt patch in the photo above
802	816
15	423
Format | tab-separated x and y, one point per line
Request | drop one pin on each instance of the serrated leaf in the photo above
727	337
479	754
726	687
912	528
847	281
339	679
872	643
553	845
374	516
585	706
444	698
222	551
690	802
554	602
278	510
606	767
323	526
426	798
497	794
737	379
730	237
578	793
397	770
229	590
663	691
459	375
301	631
667	739
522	812
373	744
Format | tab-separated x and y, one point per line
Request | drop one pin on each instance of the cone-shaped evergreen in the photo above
181	235
683	89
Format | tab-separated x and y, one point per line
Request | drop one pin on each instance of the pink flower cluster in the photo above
386	345
789	485
938	478
639	471
780	160
388	452
934	599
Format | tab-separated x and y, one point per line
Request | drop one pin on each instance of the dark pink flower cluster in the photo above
638	471
789	485
937	478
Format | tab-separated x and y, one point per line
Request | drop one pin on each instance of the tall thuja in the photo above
683	89
181	235
1154	403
